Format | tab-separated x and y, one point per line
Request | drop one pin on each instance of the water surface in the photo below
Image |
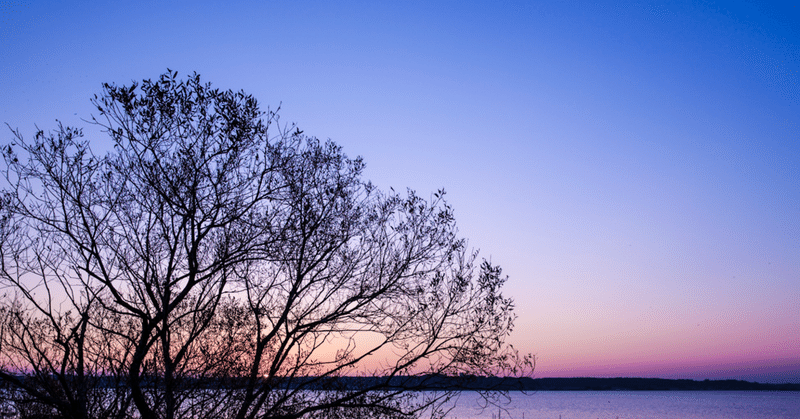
635	405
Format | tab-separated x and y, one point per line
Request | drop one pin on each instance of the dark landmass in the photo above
467	383
562	384
646	384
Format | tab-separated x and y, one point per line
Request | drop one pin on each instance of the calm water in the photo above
637	405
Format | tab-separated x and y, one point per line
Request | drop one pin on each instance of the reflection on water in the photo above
615	405
636	405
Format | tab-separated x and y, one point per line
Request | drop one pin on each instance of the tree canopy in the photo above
216	263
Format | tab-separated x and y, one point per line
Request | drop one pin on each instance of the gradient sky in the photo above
633	168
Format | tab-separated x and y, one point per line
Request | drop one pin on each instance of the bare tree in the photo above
216	263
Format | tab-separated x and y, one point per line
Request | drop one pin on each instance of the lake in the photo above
627	405
636	405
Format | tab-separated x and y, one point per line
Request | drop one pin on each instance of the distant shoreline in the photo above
648	384
473	383
476	383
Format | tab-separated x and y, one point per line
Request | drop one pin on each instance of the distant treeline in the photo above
557	384
645	384
436	382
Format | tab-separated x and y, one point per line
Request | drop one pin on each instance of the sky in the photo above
632	167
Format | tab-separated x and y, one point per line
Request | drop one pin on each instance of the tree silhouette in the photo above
218	264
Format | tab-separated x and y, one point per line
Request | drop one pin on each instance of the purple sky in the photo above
633	168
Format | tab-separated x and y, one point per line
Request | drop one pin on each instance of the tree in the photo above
216	263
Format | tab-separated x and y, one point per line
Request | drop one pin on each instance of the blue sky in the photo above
633	167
